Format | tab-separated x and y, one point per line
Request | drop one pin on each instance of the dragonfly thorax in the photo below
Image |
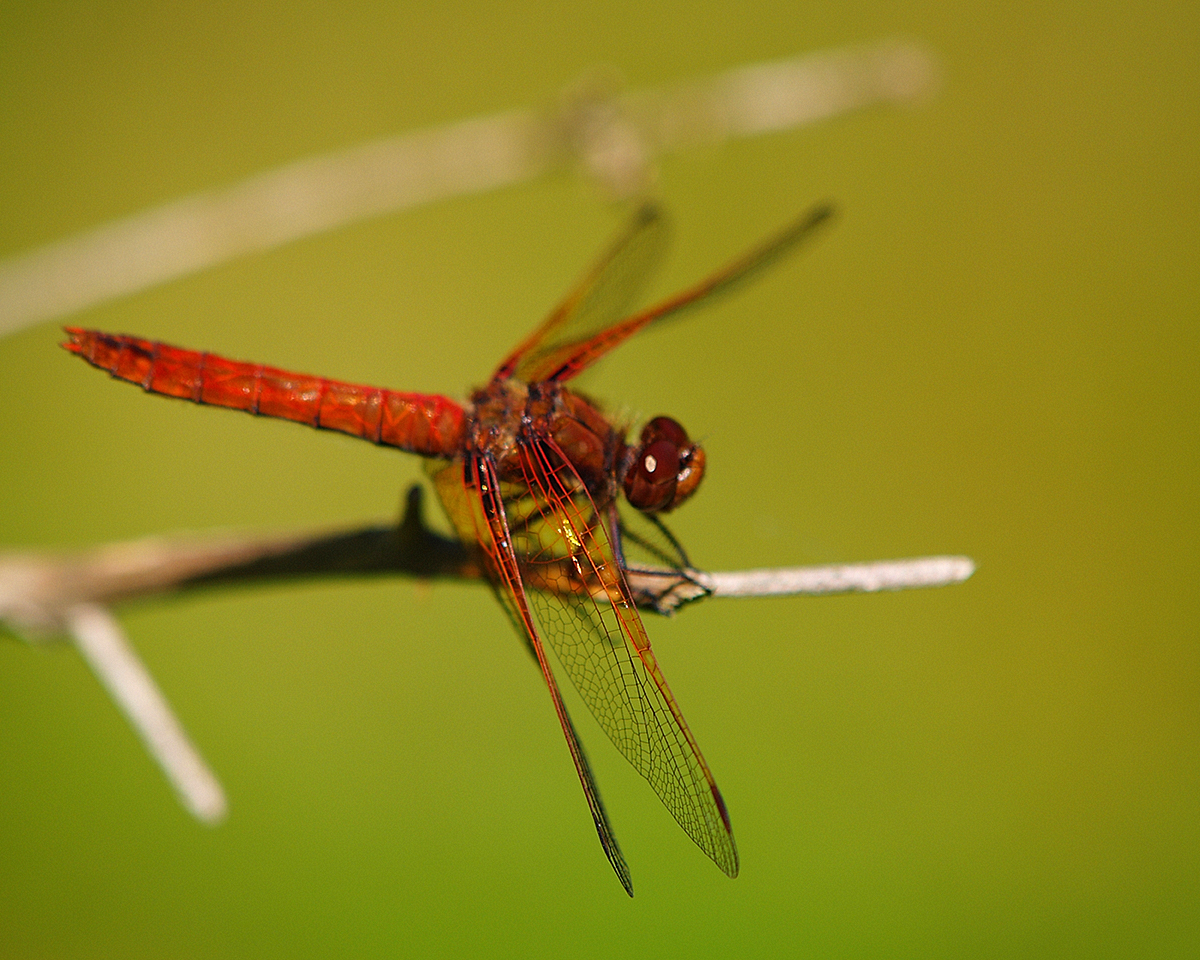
511	420
514	420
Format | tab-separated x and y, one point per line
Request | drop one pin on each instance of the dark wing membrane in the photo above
586	613
567	359
604	295
472	497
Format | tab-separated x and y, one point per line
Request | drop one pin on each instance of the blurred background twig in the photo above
615	138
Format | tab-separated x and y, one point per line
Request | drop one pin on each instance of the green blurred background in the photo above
994	352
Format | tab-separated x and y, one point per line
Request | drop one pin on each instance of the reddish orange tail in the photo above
421	423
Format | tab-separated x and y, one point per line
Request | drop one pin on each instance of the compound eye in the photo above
650	483
660	462
664	428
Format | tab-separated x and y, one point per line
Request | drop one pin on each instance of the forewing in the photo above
473	500
587	615
601	298
568	359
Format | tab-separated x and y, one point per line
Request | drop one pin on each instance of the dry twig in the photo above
46	595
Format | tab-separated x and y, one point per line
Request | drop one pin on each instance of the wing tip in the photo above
729	864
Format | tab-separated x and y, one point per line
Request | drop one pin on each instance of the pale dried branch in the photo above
614	138
841	578
100	640
44	595
39	590
665	590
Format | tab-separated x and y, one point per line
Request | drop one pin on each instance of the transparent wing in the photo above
601	298
563	358
585	612
472	497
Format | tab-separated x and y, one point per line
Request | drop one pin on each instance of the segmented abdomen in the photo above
427	424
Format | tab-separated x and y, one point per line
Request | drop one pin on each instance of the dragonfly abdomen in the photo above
420	423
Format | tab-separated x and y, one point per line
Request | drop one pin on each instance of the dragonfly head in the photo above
665	467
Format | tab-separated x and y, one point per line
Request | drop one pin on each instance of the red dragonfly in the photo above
530	474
